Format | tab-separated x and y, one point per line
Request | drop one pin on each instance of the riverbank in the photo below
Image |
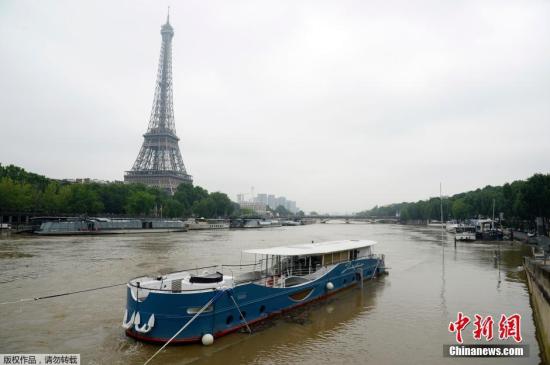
538	280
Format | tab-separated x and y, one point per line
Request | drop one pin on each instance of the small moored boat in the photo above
202	223
465	233
186	307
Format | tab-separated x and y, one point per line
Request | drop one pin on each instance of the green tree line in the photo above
25	192
521	200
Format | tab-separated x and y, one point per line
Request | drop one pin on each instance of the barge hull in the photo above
171	310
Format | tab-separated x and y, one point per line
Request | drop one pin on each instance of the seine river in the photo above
401	318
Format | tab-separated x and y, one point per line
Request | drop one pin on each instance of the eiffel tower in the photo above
159	161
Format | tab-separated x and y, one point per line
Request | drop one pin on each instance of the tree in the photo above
188	194
16	197
83	199
114	197
222	204
22	191
172	208
536	195
519	200
19	175
282	211
140	202
204	208
51	201
460	209
247	212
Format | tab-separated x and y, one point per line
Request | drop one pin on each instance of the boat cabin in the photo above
281	267
289	265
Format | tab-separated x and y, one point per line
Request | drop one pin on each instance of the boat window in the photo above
262	309
195	310
229	319
316	261
364	252
340	256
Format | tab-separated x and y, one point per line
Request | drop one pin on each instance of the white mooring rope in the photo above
185	325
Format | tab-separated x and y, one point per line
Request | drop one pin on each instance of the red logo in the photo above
461	323
508	327
484	327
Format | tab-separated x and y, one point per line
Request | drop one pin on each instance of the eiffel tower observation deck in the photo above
159	162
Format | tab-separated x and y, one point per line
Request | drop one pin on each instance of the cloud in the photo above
339	106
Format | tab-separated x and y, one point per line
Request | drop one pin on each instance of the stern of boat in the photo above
157	308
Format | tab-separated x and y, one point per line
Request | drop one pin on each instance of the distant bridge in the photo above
353	218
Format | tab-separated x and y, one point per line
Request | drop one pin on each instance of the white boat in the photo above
465	233
291	223
202	223
451	226
486	229
252	223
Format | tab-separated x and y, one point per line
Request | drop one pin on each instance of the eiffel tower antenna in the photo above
159	162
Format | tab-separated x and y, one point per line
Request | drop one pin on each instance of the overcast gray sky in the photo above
339	105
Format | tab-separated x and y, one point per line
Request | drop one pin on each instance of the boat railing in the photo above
136	283
370	256
256	272
252	272
243	273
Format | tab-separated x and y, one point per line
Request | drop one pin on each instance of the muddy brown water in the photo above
401	318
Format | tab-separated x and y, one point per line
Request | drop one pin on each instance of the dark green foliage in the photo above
25	192
18	174
187	195
282	211
83	198
520	200
221	204
140	203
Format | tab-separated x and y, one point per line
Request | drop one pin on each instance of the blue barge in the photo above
184	307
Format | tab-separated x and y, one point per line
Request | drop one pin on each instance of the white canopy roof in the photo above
316	248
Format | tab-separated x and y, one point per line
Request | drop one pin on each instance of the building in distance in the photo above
262	201
258	208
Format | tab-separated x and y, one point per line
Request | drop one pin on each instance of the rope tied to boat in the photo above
375	268
62	294
204	307
230	293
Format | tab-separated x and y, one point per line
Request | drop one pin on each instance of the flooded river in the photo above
401	318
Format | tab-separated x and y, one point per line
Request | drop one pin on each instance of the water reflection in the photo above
303	330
